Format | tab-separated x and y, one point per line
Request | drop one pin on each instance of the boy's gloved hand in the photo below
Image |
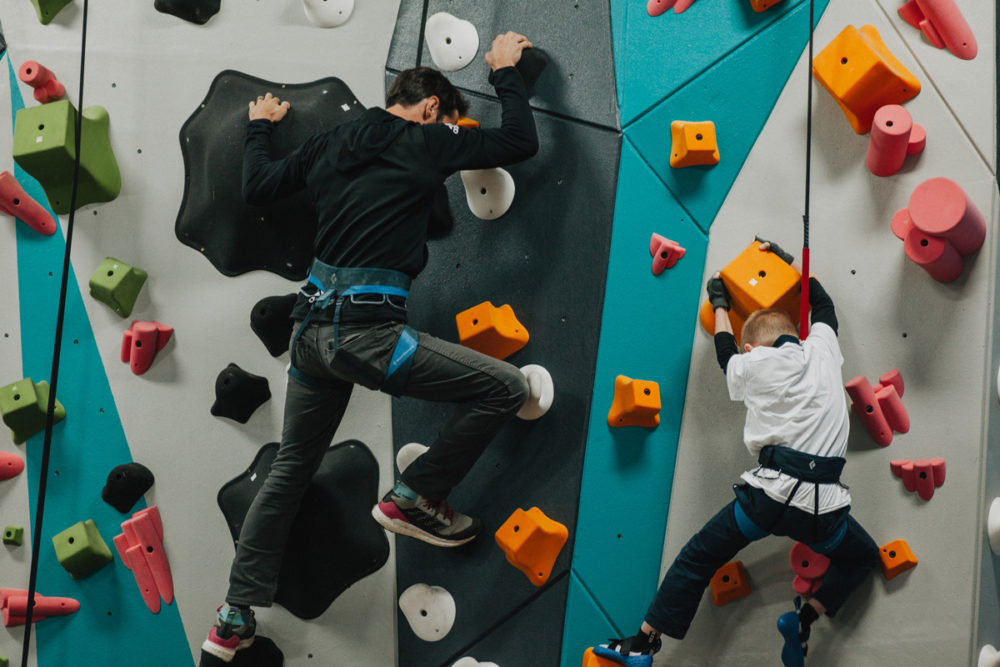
786	257
717	294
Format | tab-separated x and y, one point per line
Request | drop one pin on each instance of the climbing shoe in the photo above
793	653
630	651
234	630
405	512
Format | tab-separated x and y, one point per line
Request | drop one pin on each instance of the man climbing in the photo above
372	181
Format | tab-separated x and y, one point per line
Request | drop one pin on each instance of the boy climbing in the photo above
372	182
797	425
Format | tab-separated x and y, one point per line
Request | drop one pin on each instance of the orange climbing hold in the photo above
532	542
591	660
862	75
755	280
636	403
693	143
466	122
896	558
729	583
491	330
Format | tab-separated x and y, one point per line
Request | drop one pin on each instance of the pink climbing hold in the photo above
922	476
665	253
141	343
809	568
894	136
940	226
18	203
880	407
657	7
14	606
47	87
943	24
11	465
140	546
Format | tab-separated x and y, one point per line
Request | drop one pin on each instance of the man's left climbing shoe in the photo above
620	652
793	653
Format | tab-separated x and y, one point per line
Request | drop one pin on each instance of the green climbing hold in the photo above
13	535
47	10
81	550
117	284
4	662
45	147
23	406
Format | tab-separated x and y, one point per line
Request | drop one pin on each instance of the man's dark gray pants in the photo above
488	392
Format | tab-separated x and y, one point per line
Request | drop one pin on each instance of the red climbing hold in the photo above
943	24
11	465
922	476
47	87
141	343
140	546
14	606
665	253
18	203
657	7
880	407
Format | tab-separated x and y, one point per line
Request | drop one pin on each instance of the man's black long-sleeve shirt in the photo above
822	311
372	180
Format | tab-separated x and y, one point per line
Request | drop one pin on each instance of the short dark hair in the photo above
416	84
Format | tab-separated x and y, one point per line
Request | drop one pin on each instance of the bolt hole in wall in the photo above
699	137
761	273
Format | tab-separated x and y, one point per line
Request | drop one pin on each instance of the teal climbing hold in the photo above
13	535
23	405
47	9
117	284
81	550
45	147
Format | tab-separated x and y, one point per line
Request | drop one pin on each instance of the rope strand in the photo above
804	306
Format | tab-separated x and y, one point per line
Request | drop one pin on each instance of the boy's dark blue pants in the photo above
721	538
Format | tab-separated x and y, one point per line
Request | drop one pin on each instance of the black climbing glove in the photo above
717	294
786	257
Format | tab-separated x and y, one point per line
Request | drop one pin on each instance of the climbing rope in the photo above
804	306
54	376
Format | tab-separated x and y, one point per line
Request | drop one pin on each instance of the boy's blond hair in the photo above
763	327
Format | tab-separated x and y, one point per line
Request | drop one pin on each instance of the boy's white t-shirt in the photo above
794	396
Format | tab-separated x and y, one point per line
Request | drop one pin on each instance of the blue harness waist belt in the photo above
334	285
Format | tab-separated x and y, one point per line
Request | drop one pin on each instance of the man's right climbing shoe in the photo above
793	653
620	651
405	512
234	630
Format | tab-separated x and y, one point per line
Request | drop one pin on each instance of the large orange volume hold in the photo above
532	542
636	403
491	330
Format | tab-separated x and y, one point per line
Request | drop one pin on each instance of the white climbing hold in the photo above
541	391
988	657
328	13
430	611
489	192
408	453
993	526
472	662
453	42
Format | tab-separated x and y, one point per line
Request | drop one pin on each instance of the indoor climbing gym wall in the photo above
671	132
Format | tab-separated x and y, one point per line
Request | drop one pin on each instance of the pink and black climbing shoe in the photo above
635	651
405	512
233	631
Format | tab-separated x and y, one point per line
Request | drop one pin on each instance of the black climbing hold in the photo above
531	64
126	484
271	320
195	11
262	653
238	393
334	541
213	218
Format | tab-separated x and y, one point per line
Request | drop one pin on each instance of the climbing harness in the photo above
333	287
804	305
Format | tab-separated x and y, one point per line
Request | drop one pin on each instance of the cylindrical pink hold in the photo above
18	203
807	563
894	378
657	7
47	87
940	207
901	223
918	139
934	255
865	405
893	409
889	141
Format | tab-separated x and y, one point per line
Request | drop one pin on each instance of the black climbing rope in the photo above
804	307
54	376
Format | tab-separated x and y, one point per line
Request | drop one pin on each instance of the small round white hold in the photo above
328	13
988	657
408	453
489	192
430	611
541	392
993	526
472	662
453	42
